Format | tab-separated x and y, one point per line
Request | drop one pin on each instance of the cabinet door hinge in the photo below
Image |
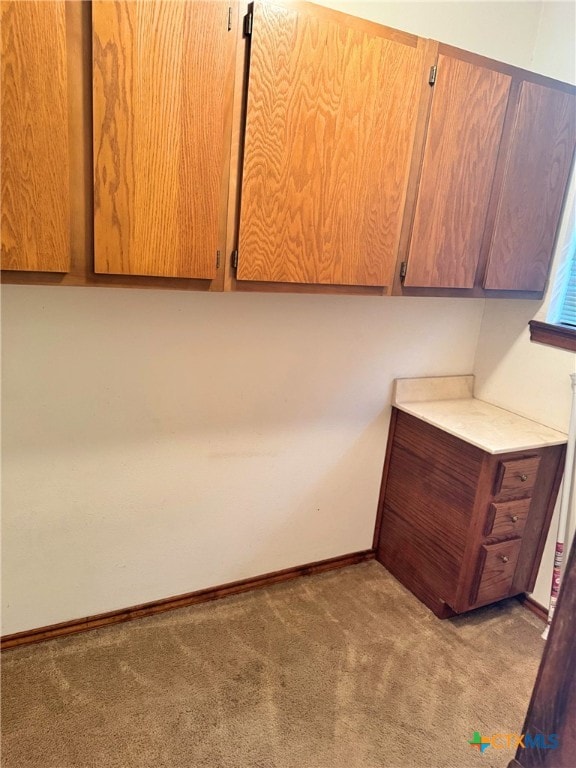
403	270
433	72
235	259
229	18
248	23
217	259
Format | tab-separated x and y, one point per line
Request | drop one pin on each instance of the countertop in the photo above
447	402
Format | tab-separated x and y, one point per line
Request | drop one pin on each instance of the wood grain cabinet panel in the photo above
496	566
426	505
507	518
346	163
447	527
331	114
162	78
517	477
461	149
34	137
491	179
537	170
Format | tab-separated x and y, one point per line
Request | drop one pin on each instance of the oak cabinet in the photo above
537	165
34	137
332	105
493	174
458	526
151	143
162	79
466	121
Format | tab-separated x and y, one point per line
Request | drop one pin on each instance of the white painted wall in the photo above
157	443
532	379
160	442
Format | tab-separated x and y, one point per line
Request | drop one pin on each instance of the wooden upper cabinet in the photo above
34	137
331	114
349	170
163	76
495	165
537	168
460	153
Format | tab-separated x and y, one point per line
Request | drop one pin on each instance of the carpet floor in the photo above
341	670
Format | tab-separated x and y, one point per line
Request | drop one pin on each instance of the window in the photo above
561	331
567	313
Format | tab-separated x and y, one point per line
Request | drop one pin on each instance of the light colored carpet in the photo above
341	670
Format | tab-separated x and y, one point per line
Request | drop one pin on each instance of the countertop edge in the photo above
510	448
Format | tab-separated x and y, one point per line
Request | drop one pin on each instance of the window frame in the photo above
556	333
553	334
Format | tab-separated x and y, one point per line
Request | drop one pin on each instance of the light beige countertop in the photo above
447	402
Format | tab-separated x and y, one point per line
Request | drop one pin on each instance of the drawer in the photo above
516	476
496	567
507	518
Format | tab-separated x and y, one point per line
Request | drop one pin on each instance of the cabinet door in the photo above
536	175
331	114
34	137
163	76
461	148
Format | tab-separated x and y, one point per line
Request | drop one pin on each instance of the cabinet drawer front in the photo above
507	517
517	476
496	566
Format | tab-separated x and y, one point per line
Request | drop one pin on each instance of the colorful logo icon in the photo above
479	743
514	741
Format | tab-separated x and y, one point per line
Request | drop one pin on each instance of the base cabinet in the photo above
460	527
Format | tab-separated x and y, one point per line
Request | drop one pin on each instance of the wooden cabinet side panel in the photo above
537	171
384	481
161	77
462	142
427	508
542	505
34	137
331	115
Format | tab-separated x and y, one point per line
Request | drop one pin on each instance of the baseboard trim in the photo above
534	607
180	601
